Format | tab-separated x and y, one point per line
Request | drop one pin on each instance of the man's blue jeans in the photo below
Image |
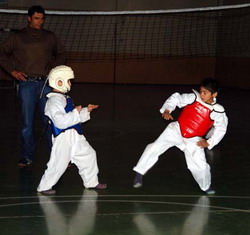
29	95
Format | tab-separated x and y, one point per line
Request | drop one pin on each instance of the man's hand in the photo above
19	75
92	106
166	115
202	143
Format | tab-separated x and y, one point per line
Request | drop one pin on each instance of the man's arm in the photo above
6	49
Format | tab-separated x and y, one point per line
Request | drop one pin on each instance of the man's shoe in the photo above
47	192
210	191
100	186
24	162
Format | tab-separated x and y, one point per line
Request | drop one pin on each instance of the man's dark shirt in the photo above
32	51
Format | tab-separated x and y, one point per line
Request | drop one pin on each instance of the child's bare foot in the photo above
100	186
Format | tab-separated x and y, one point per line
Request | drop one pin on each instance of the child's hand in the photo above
166	115
92	106
202	143
78	108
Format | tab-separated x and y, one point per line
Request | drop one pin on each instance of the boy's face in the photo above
60	84
207	96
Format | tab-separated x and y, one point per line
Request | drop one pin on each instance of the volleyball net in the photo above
144	35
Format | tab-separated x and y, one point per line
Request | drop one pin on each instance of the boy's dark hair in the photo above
210	84
36	8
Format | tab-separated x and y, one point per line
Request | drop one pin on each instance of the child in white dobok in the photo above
69	143
200	115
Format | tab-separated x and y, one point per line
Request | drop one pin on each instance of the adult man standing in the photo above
28	55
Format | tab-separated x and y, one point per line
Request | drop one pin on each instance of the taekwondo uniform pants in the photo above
70	146
194	155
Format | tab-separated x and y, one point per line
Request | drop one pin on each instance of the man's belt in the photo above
36	78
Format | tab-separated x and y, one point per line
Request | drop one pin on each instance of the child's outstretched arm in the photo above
166	115
92	106
78	108
55	110
177	100
85	112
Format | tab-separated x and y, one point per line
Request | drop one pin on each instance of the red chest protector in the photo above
195	120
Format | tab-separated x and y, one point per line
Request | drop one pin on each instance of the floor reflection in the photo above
198	217
194	223
81	222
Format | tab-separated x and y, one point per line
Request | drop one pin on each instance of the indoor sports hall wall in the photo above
231	69
165	71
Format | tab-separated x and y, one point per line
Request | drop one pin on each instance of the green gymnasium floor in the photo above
169	202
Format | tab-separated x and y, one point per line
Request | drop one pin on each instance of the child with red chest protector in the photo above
69	143
200	115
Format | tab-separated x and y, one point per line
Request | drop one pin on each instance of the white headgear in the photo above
61	73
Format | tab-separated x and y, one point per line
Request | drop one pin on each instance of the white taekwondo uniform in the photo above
172	136
68	145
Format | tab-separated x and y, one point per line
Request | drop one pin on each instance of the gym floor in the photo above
170	201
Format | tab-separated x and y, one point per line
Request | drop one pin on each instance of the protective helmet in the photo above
60	73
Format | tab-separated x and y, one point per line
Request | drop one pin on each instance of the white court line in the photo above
130	195
117	214
131	201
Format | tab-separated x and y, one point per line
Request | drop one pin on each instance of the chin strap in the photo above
44	87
